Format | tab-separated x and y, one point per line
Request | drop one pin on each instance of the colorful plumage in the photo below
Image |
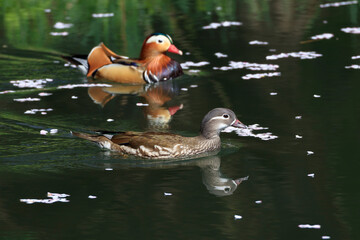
153	65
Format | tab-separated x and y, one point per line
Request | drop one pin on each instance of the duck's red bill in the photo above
174	49
238	124
174	109
239	180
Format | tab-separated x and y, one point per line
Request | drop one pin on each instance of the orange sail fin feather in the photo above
152	66
97	59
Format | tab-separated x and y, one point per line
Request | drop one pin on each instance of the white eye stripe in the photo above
221	117
157	39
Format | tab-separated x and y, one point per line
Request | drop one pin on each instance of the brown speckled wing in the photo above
147	139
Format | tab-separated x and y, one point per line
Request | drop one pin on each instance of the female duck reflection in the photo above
215	182
154	98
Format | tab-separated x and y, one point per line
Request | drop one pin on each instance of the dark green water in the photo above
132	200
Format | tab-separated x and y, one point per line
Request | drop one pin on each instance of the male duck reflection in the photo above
153	65
155	98
159	145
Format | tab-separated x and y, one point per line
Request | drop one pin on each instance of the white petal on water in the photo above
258	202
311	175
43	132
142	104
47	10
194	86
323	36
71	86
256	42
167	194
325	237
53	131
194	70
34	110
249	66
57	195
237	217
355	57
220	55
354	66
59	33
29	112
317	96
257	127
108	169
92	197
61	25
7	91
338	4
43	113
29	99
309	152
102	15
273	93
74	97
249	132
261	75
184	89
298	136
353	30
52	198
216	25
298	117
44	94
301	55
110	120
315	226
188	64
30	83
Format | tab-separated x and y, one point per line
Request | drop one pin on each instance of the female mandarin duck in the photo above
160	145
153	65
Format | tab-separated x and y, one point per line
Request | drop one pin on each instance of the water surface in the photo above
302	181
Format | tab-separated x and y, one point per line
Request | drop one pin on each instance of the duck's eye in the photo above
227	189
225	116
160	41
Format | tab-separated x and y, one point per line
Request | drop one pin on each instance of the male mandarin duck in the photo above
153	65
162	145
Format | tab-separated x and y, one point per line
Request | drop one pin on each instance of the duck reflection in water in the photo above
215	182
213	179
154	100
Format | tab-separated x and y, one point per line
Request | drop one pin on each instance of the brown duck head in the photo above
217	120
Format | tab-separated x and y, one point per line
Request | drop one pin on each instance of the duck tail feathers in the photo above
101	140
80	61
